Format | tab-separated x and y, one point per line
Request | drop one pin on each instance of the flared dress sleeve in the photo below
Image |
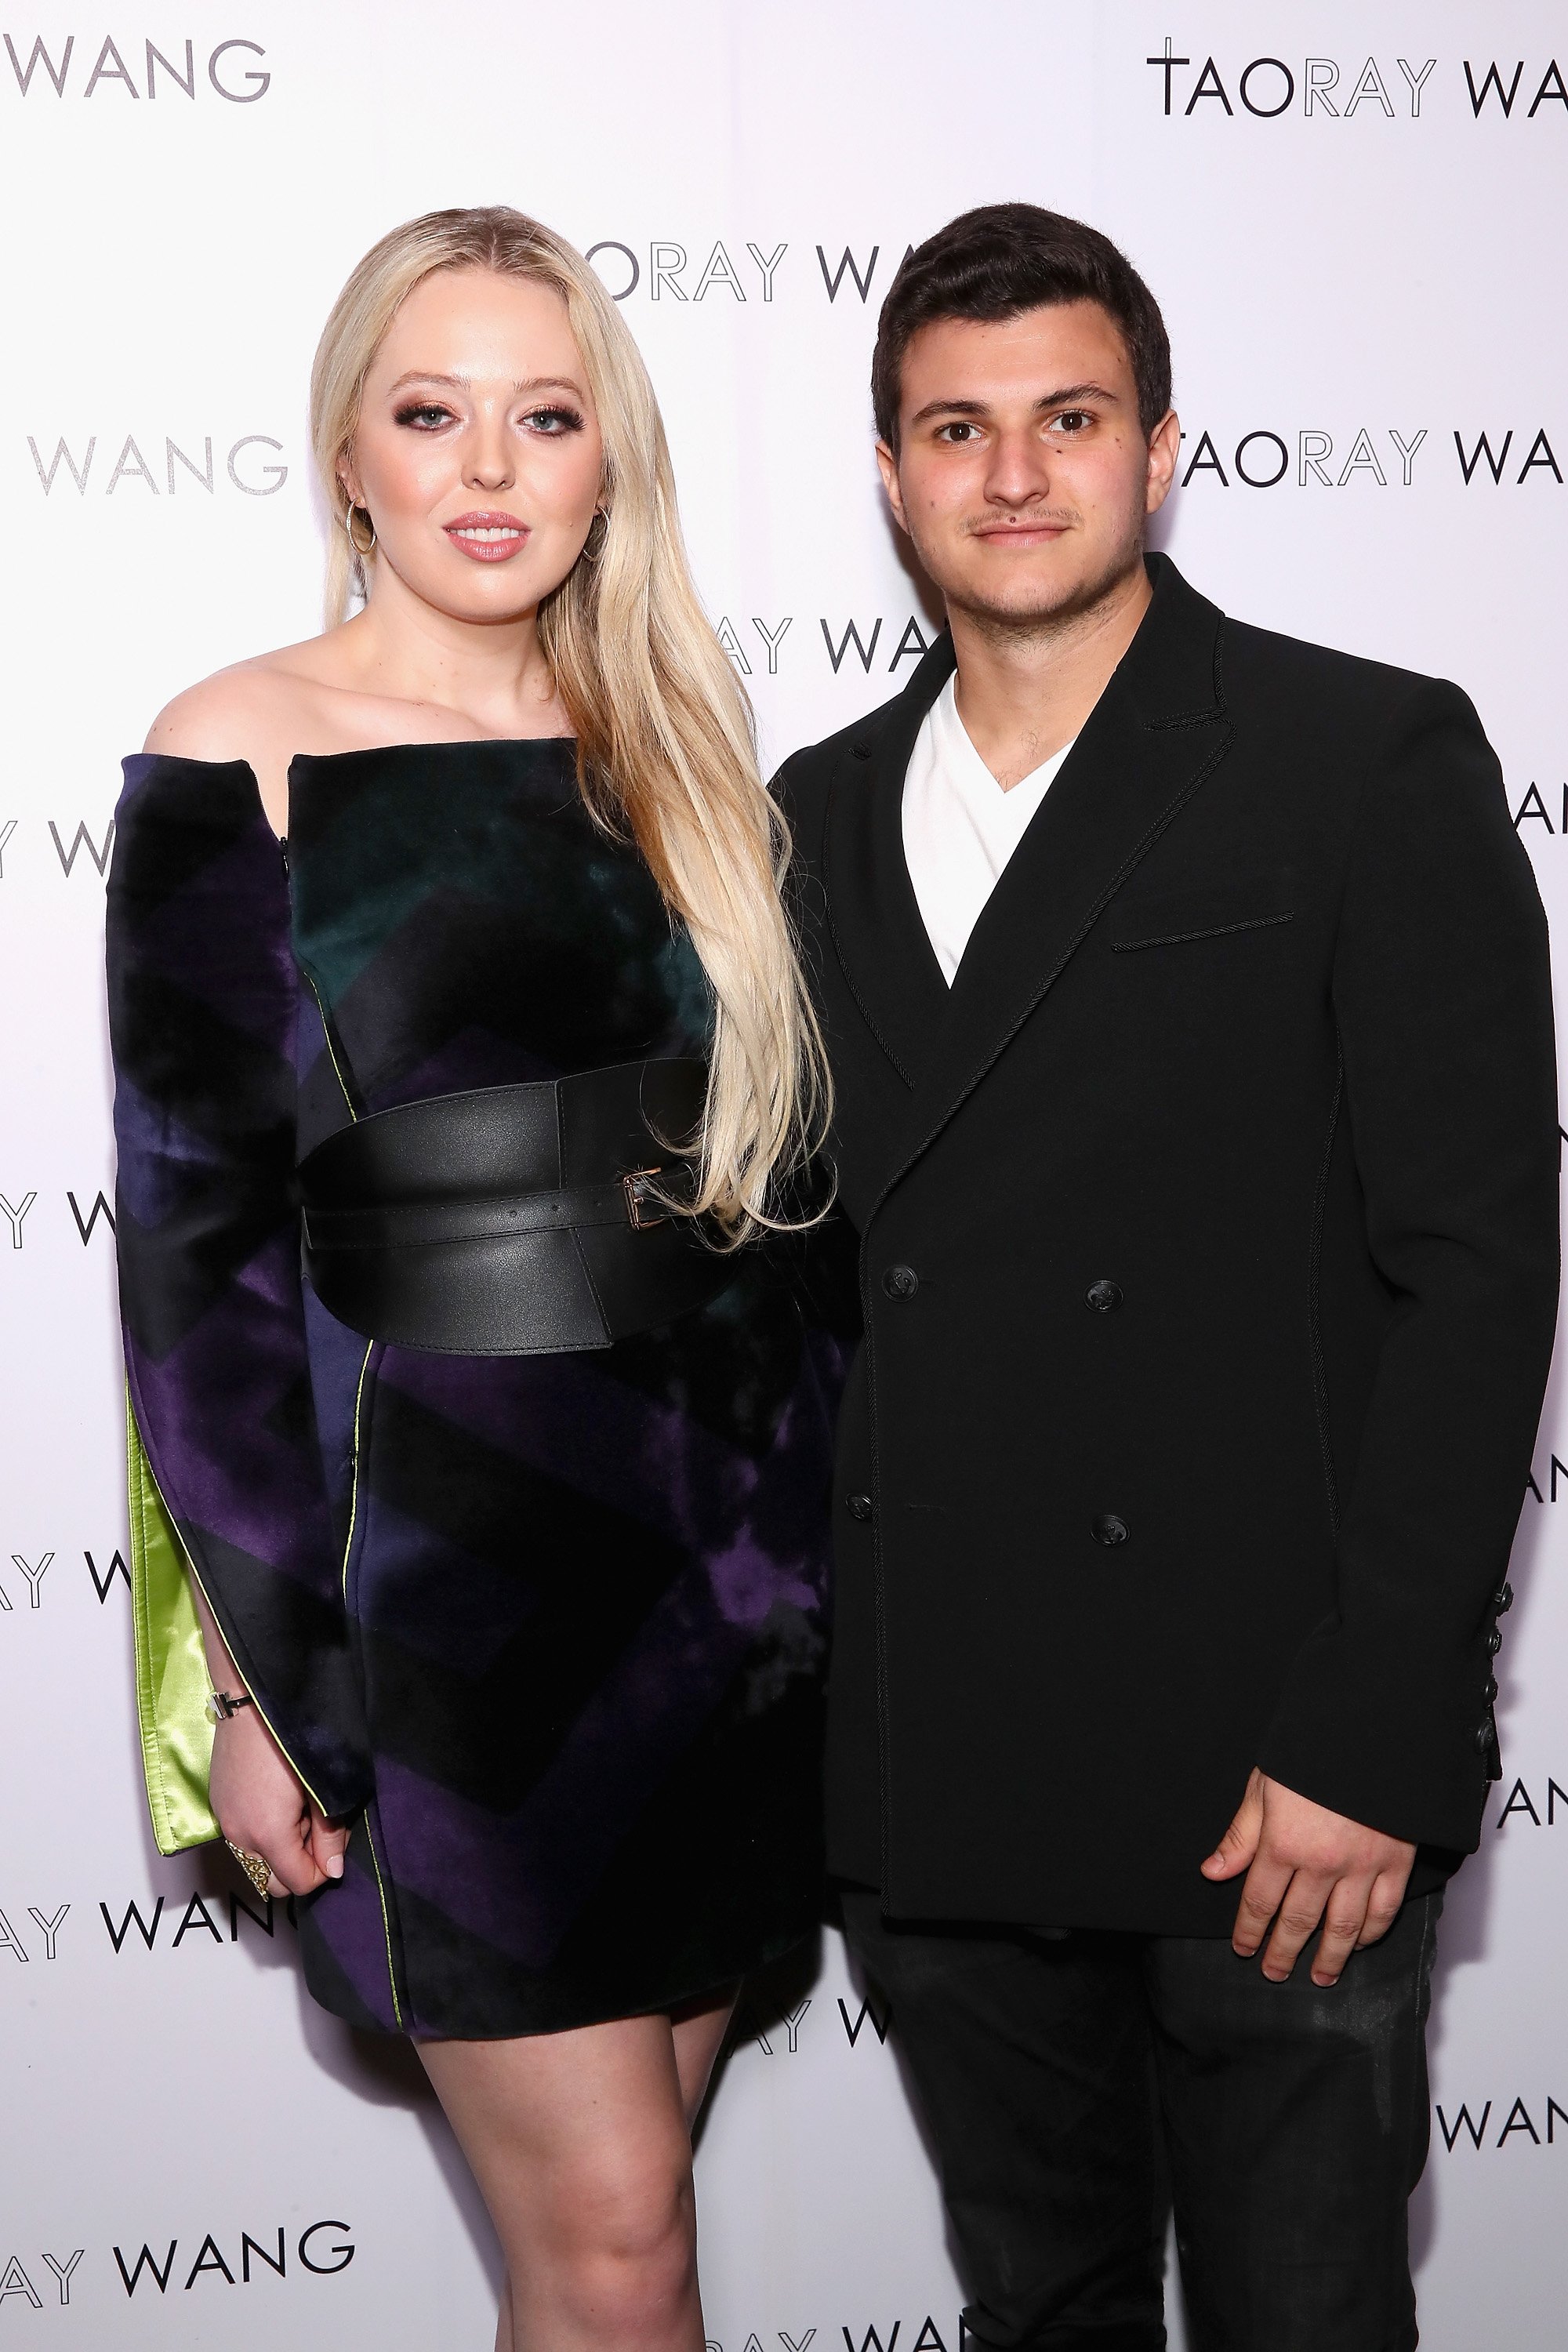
227	1483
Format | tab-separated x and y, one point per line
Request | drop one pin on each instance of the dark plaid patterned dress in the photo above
550	1629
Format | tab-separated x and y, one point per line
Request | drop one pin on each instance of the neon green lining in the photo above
171	1683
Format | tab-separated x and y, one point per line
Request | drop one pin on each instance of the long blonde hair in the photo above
666	749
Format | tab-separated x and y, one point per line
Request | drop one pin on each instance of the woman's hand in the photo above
261	1806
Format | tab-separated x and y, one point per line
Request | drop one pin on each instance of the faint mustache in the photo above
1034	519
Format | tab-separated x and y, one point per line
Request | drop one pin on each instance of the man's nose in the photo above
1019	468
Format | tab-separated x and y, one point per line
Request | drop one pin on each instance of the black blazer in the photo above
1208	1269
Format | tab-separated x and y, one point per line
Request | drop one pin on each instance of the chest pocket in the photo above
1233	906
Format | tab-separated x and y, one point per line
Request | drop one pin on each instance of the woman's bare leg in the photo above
582	2149
697	2032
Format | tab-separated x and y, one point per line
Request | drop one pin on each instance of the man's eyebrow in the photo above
463	383
1061	398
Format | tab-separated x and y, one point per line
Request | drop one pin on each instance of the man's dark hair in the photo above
1000	260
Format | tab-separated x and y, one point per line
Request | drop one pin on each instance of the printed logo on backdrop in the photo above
776	2033
319	2250
16	1231
24	1589
864	2335
1312	457
670	269
1534	1805
94	849
1336	90
147	1923
1488	2126
106	68
172	470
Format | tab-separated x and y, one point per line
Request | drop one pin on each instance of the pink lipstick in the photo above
486	535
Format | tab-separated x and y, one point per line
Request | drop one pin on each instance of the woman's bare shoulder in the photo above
238	713
260	711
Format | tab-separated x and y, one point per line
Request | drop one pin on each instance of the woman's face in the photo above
478	451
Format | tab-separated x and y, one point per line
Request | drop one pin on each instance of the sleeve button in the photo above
1502	1599
1109	1529
1103	1297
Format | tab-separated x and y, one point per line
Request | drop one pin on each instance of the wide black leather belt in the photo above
513	1221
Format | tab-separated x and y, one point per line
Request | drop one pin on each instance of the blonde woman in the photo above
479	1455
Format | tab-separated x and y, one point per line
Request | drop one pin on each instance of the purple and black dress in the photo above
548	1628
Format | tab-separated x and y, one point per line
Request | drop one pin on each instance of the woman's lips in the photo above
487	537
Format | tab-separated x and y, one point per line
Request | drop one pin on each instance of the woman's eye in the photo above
424	415
553	421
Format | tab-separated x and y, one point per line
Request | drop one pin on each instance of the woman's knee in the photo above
624	2236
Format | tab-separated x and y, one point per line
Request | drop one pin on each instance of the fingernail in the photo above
333	1865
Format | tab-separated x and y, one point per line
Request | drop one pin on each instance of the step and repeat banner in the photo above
1353	217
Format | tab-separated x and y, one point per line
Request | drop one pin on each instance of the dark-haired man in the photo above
1186	993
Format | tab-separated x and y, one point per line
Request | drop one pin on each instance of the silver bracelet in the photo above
221	1704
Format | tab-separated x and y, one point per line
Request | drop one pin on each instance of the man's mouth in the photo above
1027	531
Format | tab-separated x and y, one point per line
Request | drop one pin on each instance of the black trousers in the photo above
1079	2087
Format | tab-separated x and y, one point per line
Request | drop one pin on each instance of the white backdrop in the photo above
1358	246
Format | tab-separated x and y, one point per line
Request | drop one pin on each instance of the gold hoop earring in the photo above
594	547
354	509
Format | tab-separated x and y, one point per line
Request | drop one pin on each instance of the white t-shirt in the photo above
960	826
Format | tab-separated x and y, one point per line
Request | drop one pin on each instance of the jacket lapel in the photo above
1155	734
877	932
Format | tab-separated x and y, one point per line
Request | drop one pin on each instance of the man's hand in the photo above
1304	1863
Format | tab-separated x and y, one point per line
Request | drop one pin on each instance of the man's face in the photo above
1023	476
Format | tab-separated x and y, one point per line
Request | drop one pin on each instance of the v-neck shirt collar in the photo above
960	828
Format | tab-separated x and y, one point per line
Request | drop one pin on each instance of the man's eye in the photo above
960	431
424	415
1073	420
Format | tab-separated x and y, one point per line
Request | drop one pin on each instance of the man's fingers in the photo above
1344	1923
1236	1849
1383	1907
1260	1898
1301	1910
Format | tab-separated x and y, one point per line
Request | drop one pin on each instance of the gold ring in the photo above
256	1866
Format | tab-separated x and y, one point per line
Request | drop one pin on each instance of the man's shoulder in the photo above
1295	681
802	784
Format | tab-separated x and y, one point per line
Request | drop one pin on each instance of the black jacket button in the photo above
900	1282
858	1505
1483	1738
1107	1528
1494	1641
1502	1600
1103	1297
1491	1688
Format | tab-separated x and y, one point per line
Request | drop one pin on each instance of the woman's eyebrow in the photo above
465	383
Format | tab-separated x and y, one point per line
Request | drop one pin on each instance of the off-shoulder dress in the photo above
548	1629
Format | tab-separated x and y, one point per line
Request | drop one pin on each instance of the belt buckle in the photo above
633	1185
